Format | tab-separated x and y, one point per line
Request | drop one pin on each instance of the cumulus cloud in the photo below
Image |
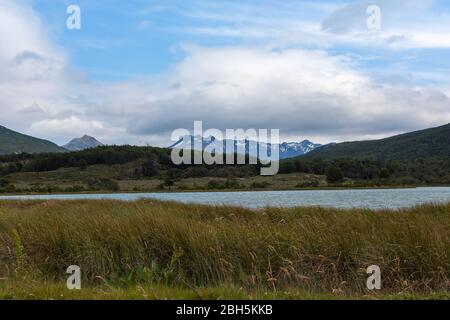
39	92
306	93
31	68
302	92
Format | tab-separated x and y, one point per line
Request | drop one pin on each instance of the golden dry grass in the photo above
314	250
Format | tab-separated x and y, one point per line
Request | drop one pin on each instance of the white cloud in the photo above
66	126
302	92
306	93
405	24
39	92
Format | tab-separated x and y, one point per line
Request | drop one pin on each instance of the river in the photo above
367	198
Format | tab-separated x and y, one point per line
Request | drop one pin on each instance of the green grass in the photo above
156	250
74	180
44	290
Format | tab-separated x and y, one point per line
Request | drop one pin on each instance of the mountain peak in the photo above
287	149
83	143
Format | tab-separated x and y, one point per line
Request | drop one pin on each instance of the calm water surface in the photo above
374	198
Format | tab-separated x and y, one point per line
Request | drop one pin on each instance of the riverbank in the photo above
380	198
100	192
125	249
101	179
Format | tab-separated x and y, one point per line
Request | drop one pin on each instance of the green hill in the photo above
429	143
13	142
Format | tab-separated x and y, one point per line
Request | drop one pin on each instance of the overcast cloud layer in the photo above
307	91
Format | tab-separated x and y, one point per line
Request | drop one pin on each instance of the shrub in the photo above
103	184
334	175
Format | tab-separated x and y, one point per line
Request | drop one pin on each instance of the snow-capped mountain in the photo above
286	149
198	142
85	142
295	149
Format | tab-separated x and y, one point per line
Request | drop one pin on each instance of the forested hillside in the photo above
418	158
429	143
12	142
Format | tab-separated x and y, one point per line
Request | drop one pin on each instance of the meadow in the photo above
160	250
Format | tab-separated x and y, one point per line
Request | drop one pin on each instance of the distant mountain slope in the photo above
83	143
287	149
14	142
428	143
295	149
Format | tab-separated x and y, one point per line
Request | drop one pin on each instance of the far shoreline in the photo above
336	188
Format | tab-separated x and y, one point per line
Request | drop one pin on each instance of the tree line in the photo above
418	171
153	162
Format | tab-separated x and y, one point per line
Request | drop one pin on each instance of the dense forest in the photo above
412	146
431	171
147	162
140	163
416	158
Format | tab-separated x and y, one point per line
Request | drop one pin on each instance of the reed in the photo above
151	243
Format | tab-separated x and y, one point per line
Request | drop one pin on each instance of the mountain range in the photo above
287	149
295	149
12	142
428	143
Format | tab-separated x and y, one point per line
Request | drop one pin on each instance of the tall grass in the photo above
311	249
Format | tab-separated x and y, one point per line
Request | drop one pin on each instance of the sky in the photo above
327	71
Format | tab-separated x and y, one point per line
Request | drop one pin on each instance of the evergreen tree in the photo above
334	175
